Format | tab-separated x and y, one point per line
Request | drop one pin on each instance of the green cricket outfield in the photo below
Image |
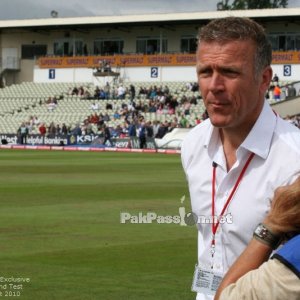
61	235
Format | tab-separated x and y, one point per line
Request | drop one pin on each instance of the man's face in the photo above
233	96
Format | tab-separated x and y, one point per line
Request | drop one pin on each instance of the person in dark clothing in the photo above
149	129
107	136
132	129
23	132
163	129
64	129
132	92
142	135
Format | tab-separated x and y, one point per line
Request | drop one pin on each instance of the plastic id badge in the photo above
206	281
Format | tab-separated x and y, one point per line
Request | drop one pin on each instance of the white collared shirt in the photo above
276	145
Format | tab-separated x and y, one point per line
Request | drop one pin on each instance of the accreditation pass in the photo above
206	281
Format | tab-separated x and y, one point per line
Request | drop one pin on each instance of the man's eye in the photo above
230	73
204	73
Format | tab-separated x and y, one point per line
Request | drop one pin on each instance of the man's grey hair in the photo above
237	28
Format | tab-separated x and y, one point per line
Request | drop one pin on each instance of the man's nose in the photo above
216	83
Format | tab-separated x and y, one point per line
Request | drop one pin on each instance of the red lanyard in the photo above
215	225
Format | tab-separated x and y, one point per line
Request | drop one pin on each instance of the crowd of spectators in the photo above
131	115
278	92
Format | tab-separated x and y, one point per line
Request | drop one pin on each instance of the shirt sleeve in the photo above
272	280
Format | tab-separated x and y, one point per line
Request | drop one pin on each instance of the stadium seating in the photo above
19	102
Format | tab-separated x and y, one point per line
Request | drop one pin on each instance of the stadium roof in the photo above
156	19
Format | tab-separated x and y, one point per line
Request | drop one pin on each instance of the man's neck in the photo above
231	140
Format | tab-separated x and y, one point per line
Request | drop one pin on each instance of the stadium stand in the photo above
31	103
20	103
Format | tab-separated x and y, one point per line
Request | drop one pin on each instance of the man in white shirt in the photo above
121	92
235	159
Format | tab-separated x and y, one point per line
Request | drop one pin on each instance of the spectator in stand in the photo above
171	110
77	130
89	129
173	104
64	129
52	129
107	91
42	129
140	106
161	98
162	130
75	91
195	87
33	121
107	67
94	119
277	93
119	131
109	106
81	91
132	92
156	125
193	100
101	121
172	125
132	129
186	107
87	95
58	129
121	92
291	91
29	127
51	104
189	86
142	134
152	107
160	109
183	121
107	135
275	78
197	121
143	91
166	90
149	129
116	115
95	106
101	95
152	93
23	133
96	92
159	91
106	118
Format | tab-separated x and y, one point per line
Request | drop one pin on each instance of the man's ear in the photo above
266	77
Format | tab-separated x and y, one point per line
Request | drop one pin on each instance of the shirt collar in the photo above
258	140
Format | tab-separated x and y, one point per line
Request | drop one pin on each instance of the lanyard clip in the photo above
212	246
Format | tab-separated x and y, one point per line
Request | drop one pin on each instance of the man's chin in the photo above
220	123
